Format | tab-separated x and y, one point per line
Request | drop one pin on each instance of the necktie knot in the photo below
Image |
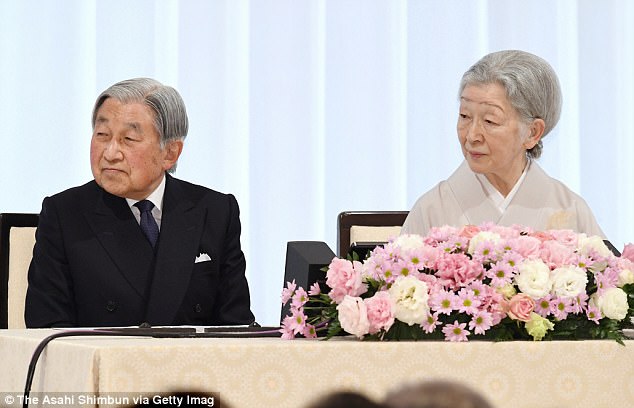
144	205
148	223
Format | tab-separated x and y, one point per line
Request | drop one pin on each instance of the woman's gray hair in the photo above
531	85
170	115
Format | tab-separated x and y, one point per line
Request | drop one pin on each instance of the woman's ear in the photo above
536	131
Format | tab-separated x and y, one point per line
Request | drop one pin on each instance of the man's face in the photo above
126	157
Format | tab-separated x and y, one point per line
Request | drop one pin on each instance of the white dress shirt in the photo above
156	197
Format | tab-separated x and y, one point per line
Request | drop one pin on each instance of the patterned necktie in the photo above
148	223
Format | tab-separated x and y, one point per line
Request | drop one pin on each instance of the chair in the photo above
367	227
17	238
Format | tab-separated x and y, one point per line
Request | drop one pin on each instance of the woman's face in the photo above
493	139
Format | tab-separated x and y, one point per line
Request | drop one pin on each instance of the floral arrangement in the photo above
487	282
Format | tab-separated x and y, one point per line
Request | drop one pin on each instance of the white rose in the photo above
482	236
591	243
409	241
625	276
533	278
568	281
411	300
353	316
612	303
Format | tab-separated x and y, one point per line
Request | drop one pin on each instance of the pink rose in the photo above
555	254
469	231
425	255
380	312
353	316
520	307
344	279
628	252
527	246
506	232
566	237
542	236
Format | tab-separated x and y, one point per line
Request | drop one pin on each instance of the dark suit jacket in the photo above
92	266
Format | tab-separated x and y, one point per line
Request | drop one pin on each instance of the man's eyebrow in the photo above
136	126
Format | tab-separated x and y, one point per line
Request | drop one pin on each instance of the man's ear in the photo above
536	131
172	152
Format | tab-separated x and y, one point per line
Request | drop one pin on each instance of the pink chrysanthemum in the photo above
479	289
299	298
403	268
542	306
485	252
430	323
512	259
467	302
455	332
286	330
593	313
309	331
500	274
459	243
606	280
560	307
579	303
584	261
288	291
443	301
314	290
440	234
297	323
481	322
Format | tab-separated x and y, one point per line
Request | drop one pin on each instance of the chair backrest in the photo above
17	238
367	227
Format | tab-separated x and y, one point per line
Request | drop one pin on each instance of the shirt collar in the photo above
156	197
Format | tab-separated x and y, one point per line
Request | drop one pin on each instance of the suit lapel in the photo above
181	228
120	235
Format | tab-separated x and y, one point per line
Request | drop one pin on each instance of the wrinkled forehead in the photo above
485	96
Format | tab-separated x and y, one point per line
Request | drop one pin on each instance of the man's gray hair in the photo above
170	115
531	85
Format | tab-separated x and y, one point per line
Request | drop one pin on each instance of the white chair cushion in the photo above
21	242
362	233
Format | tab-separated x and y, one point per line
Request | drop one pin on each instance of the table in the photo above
260	372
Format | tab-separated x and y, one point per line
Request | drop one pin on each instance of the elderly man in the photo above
136	245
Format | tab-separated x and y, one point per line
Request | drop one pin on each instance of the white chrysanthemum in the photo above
612	303
409	241
588	244
568	281
483	236
533	278
411	300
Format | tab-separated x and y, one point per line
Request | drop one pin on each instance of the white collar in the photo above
156	197
501	202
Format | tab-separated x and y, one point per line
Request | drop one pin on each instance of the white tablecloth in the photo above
274	372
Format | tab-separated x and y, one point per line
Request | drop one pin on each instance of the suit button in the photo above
198	308
111	306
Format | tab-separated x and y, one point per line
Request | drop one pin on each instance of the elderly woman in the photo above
509	100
